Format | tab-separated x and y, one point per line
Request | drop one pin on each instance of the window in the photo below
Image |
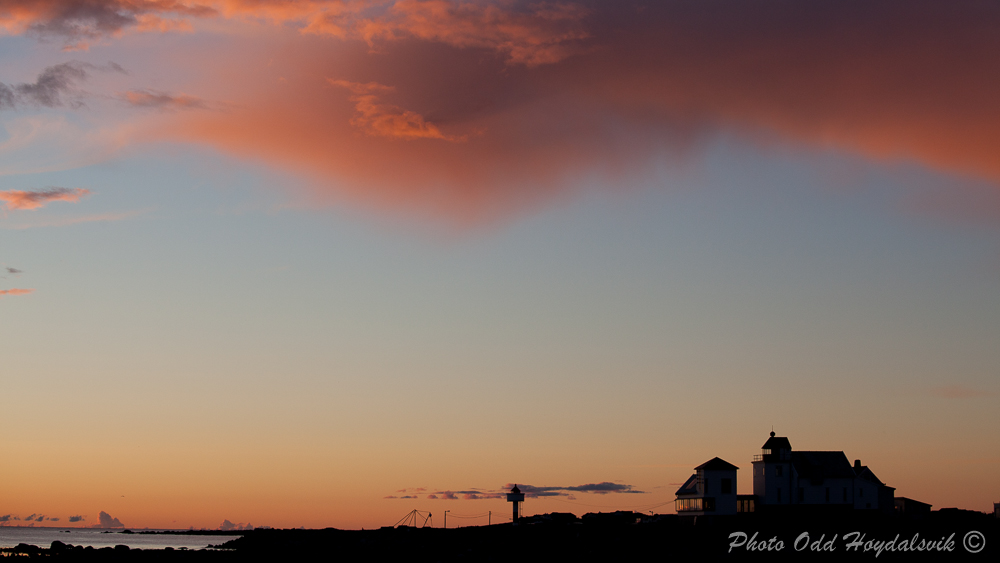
777	471
828	494
779	494
727	486
845	494
695	504
802	494
861	491
688	504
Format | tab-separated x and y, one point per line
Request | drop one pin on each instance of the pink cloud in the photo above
384	120
525	33
18	199
543	95
15	291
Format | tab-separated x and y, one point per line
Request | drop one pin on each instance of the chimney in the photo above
857	464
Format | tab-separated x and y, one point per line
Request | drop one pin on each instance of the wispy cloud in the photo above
15	291
385	120
161	100
52	86
81	22
527	33
546	92
77	518
529	490
594	488
19	199
48	90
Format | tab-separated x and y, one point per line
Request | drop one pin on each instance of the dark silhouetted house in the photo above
711	490
783	477
909	507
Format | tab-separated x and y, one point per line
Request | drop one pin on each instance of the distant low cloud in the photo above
34	518
161	100
23	199
960	392
228	526
13	271
603	488
107	521
77	518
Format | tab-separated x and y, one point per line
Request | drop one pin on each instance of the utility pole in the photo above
489	518
446	519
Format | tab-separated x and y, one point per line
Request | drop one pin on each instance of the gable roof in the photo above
822	465
868	475
690	487
717	464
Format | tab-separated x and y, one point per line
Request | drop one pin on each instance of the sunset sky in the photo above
323	262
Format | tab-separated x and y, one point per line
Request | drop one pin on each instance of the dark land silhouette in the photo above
942	535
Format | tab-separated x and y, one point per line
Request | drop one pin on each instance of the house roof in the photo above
776	443
717	464
916	503
868	475
822	465
690	487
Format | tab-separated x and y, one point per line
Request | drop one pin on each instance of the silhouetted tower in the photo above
772	472
517	497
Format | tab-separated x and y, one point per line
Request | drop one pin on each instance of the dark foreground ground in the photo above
938	536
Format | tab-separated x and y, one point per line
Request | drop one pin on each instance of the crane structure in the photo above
414	516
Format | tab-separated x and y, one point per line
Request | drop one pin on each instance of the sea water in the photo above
43	537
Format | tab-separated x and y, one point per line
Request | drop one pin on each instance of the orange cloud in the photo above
15	291
18	199
387	120
543	95
526	33
81	22
532	35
